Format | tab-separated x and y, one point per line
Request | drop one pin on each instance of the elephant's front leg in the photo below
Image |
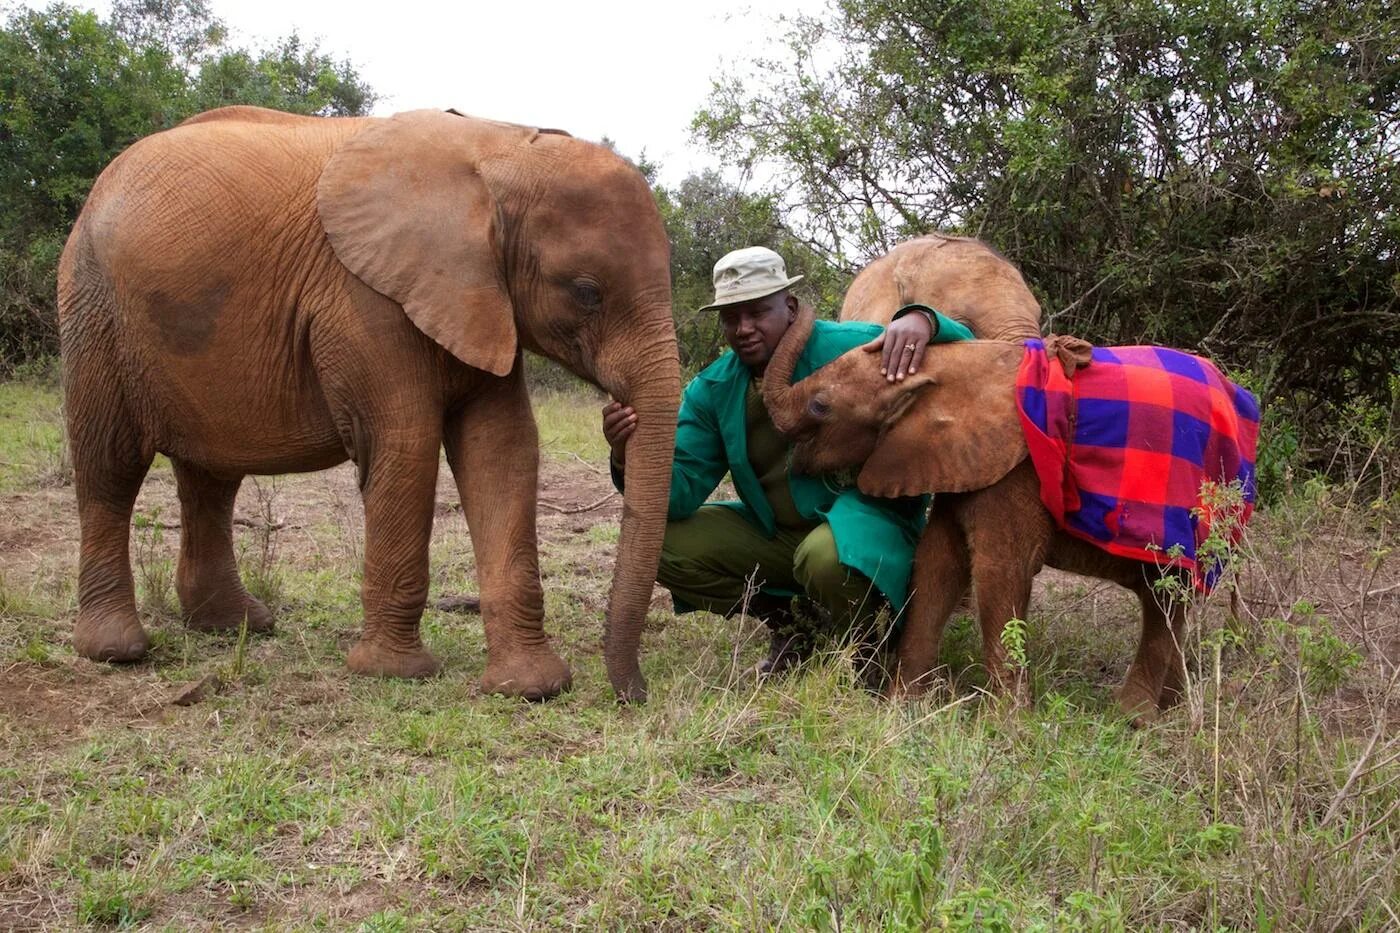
941	575
398	487
493	449
1008	533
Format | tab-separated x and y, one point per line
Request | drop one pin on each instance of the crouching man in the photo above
787	535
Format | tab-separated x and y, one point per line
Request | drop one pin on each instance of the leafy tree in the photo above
705	218
289	76
186	30
75	91
1218	174
72	94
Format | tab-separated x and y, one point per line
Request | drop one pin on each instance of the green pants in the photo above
717	560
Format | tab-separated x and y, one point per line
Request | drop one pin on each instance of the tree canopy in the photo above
1213	174
1218	175
75	90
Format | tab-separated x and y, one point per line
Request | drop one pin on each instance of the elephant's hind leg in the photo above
109	464
211	594
1174	683
1154	679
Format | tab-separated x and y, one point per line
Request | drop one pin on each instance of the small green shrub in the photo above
1305	644
112	899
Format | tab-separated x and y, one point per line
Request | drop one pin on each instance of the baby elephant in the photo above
1100	461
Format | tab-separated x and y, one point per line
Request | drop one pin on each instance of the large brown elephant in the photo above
953	429
961	277
256	292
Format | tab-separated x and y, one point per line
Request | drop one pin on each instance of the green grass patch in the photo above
31	435
571	424
295	795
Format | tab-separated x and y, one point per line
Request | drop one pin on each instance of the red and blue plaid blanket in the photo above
1132	450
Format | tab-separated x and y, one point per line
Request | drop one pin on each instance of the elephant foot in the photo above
375	659
211	616
905	685
631	688
539	674
1137	704
115	637
1011	685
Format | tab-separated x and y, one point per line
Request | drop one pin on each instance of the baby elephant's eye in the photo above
587	294
817	408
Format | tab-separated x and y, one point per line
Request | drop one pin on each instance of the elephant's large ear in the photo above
407	212
954	429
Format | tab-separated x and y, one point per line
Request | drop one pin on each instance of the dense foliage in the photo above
1219	175
705	218
1214	174
75	90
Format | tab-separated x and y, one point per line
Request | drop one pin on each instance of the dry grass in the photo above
296	796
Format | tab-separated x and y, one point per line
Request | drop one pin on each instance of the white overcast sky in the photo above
633	70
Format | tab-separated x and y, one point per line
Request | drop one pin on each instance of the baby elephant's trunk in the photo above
783	401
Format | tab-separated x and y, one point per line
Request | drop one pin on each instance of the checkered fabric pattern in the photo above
1130	449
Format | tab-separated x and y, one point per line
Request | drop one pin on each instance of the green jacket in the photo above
873	536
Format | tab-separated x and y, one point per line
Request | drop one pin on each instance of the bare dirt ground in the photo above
318	513
113	773
315	521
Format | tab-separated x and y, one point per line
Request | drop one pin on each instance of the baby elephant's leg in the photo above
942	571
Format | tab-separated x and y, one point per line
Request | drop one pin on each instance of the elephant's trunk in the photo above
783	402
646	490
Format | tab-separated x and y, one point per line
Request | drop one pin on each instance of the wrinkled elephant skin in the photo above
256	292
958	276
953	430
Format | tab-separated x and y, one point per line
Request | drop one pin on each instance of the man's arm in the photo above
913	328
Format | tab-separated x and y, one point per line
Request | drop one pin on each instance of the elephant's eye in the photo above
587	294
818	409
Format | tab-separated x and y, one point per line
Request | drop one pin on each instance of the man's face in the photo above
753	328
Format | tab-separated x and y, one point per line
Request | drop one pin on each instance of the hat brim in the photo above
742	297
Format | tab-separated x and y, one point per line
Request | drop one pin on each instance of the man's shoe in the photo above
786	650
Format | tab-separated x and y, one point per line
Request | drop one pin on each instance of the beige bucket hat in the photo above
747	274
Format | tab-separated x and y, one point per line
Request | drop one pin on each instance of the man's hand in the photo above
619	421
903	344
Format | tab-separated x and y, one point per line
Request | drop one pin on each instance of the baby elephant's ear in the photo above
407	211
954	430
